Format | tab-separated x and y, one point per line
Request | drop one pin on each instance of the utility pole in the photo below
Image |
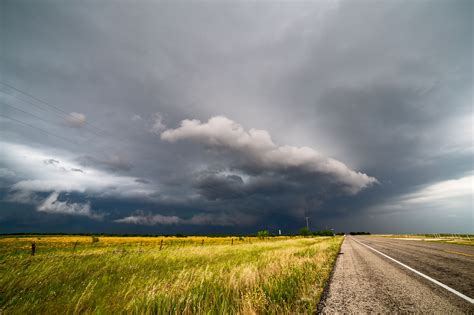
307	222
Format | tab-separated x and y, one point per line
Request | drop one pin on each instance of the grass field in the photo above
187	275
458	239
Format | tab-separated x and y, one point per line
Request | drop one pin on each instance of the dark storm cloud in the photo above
383	89
215	186
299	177
267	195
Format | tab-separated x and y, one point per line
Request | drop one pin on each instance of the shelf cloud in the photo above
255	153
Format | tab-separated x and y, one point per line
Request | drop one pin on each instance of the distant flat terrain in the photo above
366	281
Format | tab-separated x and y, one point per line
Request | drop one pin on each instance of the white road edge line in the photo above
465	297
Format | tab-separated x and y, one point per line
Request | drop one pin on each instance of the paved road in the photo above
364	281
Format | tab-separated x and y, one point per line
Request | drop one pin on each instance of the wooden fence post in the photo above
161	244
33	248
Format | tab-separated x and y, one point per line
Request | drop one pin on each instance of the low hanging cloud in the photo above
76	120
136	117
55	206
150	219
157	124
208	219
253	152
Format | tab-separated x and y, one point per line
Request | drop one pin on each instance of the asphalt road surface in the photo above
365	281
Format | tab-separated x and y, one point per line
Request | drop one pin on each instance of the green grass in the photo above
135	276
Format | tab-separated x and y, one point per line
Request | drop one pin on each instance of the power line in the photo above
35	127
75	143
63	114
38	117
43	109
26	112
47	132
59	112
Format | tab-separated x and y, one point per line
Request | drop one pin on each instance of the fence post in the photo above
33	248
232	243
74	250
202	242
161	244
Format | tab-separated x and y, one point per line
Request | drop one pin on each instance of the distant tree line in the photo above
307	232
359	233
324	233
260	234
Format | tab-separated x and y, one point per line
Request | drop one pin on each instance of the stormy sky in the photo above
236	116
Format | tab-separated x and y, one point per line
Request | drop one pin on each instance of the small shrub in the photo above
262	234
305	231
324	233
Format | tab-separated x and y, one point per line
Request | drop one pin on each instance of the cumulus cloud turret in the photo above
255	152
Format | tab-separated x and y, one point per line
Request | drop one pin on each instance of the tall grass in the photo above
135	276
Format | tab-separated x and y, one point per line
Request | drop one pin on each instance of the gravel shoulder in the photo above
365	282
